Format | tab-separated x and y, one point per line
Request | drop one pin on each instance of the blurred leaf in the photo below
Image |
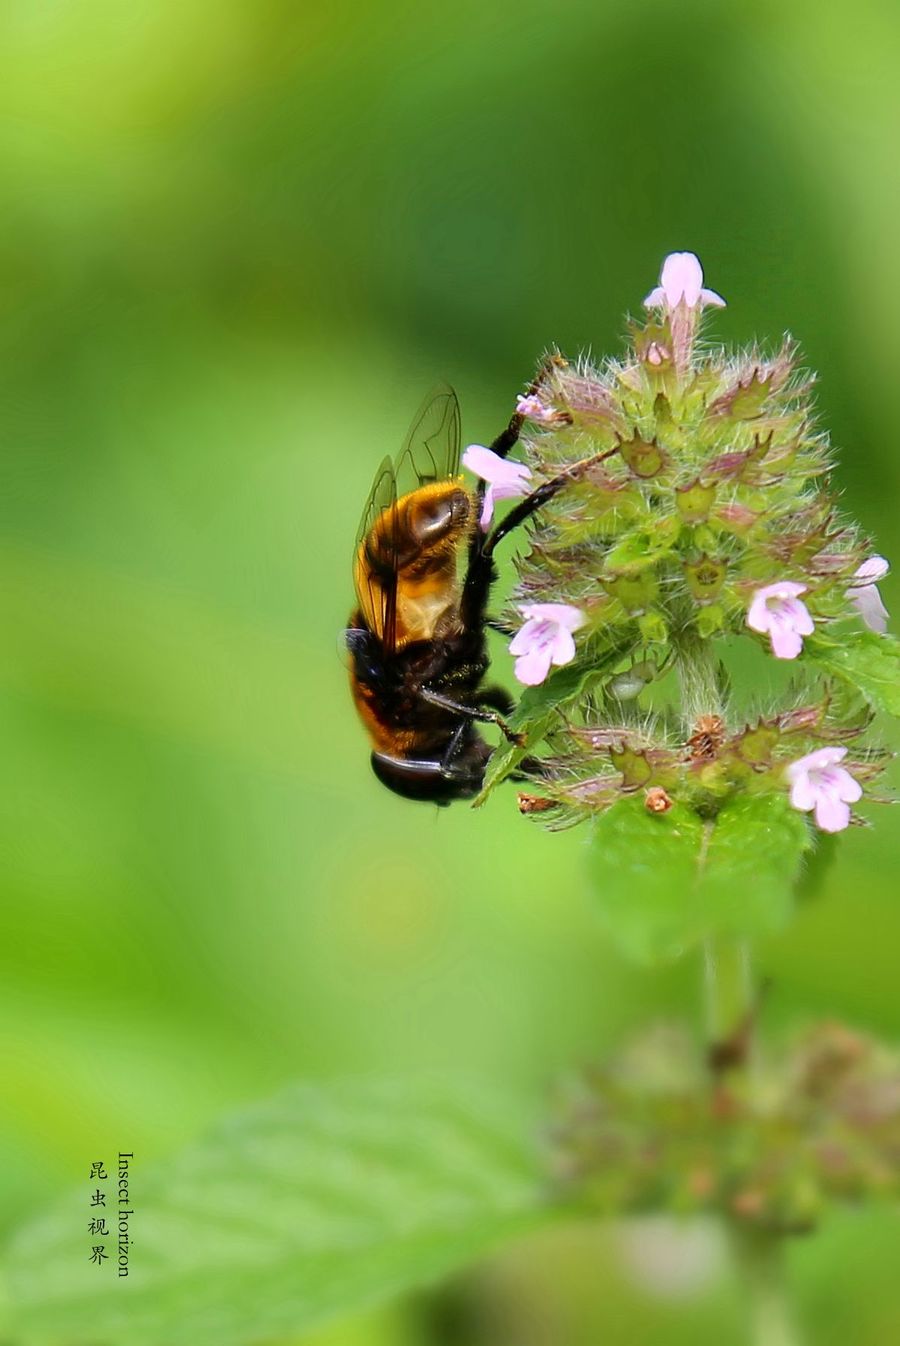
817	866
868	662
319	1202
666	881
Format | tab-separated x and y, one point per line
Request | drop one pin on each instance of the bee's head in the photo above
429	780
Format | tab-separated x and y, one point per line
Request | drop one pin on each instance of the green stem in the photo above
730	1009
760	1258
728	986
699	676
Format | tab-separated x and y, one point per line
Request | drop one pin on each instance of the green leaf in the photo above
666	881
534	715
319	1202
867	661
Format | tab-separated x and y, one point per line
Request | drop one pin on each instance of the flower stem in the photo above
760	1258
728	987
699	677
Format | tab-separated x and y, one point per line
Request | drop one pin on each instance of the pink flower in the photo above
776	611
545	639
505	480
864	594
528	404
682	278
817	782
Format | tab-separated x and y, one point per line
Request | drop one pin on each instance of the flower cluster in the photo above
599	762
698	511
655	1128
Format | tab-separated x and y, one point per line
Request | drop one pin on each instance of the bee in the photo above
417	637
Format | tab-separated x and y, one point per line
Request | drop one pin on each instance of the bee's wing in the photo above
430	453
431	449
377	597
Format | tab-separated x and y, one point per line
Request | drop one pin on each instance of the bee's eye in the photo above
433	518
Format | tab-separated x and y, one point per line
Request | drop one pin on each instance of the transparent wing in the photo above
381	496
431	449
430	453
376	592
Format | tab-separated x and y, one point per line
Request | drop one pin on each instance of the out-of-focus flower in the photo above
505	480
530	405
864	595
681	278
670	1257
818	782
545	639
776	611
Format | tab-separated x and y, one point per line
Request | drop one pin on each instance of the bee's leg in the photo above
480	573
453	748
498	698
529	767
505	442
525	508
471	713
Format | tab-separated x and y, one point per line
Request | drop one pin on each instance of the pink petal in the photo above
710	297
872	570
533	408
869	605
533	667
759	618
803	796
562	614
524	640
656	298
499	472
786	643
816	761
783	589
480	460
847	788
795	612
832	814
487	510
563	647
682	278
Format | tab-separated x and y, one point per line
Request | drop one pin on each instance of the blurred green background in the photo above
238	242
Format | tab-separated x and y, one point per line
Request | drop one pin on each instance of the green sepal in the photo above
694	501
636	770
636	592
644	457
755	746
705	578
710	619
